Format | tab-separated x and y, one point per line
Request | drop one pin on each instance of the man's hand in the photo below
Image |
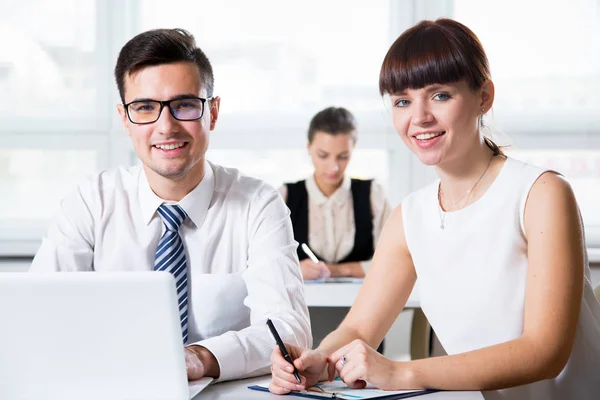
200	362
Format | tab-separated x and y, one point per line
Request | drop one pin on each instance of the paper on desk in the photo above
370	392
199	385
339	279
327	389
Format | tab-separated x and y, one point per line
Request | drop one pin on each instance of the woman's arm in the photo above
352	268
383	293
552	304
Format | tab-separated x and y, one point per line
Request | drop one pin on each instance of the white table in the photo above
236	390
342	295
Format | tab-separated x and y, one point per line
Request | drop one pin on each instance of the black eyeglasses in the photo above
182	109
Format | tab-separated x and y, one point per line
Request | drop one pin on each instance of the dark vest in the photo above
297	202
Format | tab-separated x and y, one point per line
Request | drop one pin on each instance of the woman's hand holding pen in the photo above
358	363
311	364
312	270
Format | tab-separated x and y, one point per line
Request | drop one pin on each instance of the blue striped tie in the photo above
170	257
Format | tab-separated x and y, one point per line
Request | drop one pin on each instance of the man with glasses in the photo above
226	238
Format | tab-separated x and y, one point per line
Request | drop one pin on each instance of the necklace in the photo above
464	196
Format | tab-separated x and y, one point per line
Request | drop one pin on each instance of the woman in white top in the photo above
340	219
498	247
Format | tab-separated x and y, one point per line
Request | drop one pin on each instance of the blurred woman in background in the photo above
339	218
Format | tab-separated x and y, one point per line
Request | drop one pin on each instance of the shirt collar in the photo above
339	196
195	204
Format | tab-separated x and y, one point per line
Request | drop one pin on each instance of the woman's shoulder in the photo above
377	185
527	176
285	188
550	187
378	192
523	169
300	182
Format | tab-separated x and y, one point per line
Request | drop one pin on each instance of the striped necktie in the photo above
170	257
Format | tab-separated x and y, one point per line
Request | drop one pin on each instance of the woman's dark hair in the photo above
334	121
441	51
161	46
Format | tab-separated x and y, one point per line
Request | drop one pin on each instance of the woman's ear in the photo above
487	96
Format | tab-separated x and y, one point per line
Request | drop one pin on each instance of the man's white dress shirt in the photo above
240	249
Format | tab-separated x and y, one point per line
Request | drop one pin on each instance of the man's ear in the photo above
215	104
123	115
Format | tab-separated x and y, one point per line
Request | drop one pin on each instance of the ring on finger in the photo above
344	360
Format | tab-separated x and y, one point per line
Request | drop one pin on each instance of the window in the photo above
55	109
277	64
49	69
545	63
276	56
546	67
31	175
278	166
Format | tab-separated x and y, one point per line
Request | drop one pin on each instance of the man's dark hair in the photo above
334	121
161	46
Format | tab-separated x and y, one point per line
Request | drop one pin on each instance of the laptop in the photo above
91	335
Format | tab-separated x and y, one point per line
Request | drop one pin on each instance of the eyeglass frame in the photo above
167	103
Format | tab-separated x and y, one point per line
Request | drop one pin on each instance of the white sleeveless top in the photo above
472	280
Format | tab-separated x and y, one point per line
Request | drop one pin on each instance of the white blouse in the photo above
331	225
472	286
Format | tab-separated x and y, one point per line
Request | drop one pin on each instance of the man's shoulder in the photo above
234	183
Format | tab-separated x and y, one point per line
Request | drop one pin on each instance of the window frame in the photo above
107	136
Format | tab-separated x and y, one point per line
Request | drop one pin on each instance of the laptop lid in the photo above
90	335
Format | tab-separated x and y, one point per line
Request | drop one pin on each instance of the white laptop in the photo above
91	335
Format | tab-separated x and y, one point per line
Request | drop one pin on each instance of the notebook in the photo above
338	390
339	279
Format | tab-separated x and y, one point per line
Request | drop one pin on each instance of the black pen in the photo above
282	348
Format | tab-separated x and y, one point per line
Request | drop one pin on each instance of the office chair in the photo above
420	336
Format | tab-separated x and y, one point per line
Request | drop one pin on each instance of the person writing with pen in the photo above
338	218
497	245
